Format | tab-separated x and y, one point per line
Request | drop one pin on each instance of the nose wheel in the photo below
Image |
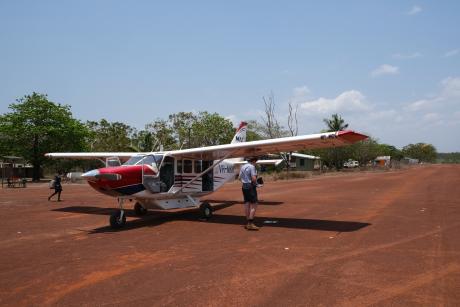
118	219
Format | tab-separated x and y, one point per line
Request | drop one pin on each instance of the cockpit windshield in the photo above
152	160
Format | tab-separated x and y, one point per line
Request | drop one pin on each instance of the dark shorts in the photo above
250	195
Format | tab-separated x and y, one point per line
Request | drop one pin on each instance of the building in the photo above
299	162
302	162
382	161
12	166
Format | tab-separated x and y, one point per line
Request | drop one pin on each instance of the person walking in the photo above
57	187
248	177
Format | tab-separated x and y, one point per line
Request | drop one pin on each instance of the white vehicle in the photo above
351	164
178	178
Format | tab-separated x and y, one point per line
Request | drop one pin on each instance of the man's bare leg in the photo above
252	214
247	210
252	211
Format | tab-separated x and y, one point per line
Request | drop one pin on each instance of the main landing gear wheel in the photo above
206	210
139	209
117	219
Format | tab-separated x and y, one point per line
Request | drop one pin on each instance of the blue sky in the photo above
390	68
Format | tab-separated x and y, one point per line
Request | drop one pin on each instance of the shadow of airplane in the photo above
261	202
158	217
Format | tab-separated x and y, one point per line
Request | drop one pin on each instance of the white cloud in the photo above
300	94
450	89
408	56
414	10
430	117
301	91
451	53
427	119
385	69
421	104
351	100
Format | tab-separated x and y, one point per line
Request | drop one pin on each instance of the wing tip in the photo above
351	136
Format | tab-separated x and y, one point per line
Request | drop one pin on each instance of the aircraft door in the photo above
167	172
150	177
208	178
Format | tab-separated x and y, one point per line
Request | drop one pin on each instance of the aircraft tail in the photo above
240	135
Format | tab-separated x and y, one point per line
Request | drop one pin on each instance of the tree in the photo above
335	123
364	151
211	129
271	127
421	151
161	134
181	124
37	126
255	131
110	136
448	157
293	124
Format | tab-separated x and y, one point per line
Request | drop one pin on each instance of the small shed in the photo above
302	162
383	161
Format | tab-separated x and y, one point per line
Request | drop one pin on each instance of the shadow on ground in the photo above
158	217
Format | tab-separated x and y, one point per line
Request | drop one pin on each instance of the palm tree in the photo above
336	123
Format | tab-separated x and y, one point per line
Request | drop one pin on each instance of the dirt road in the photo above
354	240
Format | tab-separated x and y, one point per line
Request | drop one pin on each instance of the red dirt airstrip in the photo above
382	238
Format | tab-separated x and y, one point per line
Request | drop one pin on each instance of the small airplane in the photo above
178	178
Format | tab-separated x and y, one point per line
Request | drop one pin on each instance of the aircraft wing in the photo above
262	147
236	150
123	156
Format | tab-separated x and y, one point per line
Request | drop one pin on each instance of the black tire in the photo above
115	221
206	210
139	210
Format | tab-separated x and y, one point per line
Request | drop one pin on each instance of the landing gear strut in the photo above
118	218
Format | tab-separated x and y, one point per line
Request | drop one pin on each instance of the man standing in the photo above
248	177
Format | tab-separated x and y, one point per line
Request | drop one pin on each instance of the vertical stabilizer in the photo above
240	135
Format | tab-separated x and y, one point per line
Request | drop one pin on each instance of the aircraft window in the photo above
198	168
150	160
188	166
179	167
133	160
111	162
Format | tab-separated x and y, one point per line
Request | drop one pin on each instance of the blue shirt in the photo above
246	172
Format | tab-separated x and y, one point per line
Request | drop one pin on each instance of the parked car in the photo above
351	164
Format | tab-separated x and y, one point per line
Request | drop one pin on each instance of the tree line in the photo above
35	125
